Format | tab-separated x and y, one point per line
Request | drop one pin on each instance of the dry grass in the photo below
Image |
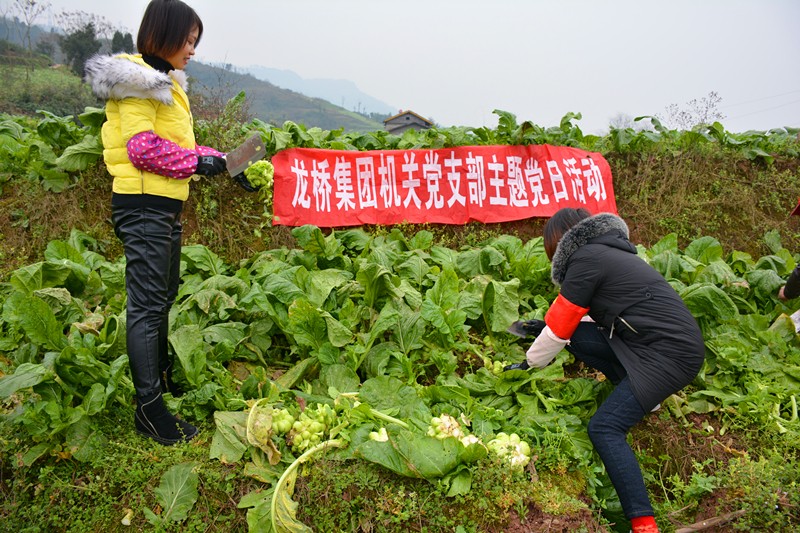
716	194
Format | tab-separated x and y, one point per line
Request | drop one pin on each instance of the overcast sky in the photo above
454	61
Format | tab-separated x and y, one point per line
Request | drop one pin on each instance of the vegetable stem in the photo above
377	414
387	418
335	443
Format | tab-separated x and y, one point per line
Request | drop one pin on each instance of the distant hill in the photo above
266	101
276	105
343	93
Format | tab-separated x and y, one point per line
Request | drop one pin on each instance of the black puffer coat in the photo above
792	288
649	327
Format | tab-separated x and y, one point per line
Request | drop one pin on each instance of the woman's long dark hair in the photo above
165	27
559	224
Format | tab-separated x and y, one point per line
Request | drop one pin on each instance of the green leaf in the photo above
307	324
230	439
716	272
289	379
38	276
473	453
284	289
93	117
36	318
200	259
177	492
189	346
414	269
706	300
55	180
26	375
413	455
409	329
705	250
338	334
341	377
34	453
387	319
85	441
117	375
765	282
479	261
461	482
319	284
82	155
211	302
669	263
94	401
393	397
378	282
441	306
257	504
772	239
61	250
376	359
501	304
226	332
78	368
668	243
310	238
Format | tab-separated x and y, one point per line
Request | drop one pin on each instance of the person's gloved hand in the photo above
527	328
517	366
533	327
244	183
210	165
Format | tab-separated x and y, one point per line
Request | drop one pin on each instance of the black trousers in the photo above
151	238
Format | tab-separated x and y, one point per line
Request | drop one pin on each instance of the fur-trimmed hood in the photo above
114	77
585	231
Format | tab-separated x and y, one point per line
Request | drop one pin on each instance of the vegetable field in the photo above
351	382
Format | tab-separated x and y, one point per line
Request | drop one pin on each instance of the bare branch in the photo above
28	12
696	113
73	21
711	522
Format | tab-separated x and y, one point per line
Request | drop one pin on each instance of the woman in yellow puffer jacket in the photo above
150	150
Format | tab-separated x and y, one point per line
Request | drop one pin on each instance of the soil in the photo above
539	522
660	437
687	446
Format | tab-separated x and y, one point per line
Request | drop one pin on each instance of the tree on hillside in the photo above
122	43
80	46
46	44
127	42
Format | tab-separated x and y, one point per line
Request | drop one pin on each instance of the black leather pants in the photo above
151	238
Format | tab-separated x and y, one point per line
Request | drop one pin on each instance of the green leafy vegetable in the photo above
176	494
260	174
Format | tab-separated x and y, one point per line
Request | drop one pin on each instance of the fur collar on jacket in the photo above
126	76
580	234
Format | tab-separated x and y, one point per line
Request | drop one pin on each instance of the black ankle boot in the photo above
154	421
168	385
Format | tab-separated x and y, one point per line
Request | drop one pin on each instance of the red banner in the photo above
331	188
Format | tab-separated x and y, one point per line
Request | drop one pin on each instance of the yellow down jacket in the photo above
140	98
